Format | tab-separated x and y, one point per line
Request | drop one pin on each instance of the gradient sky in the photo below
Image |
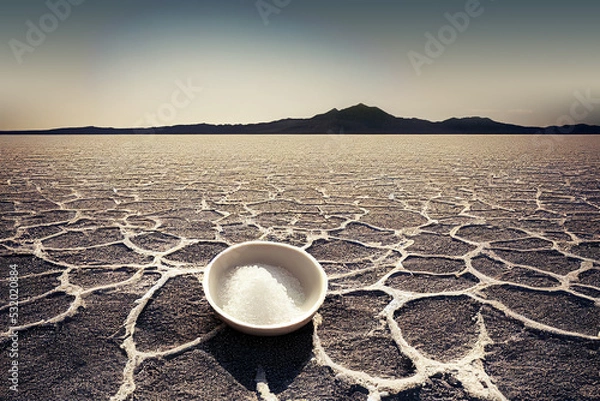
123	64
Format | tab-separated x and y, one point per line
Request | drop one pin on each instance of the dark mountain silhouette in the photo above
359	119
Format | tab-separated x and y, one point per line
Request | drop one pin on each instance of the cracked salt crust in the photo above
98	211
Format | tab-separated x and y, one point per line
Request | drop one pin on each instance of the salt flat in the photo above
460	267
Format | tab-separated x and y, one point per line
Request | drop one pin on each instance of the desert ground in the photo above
460	267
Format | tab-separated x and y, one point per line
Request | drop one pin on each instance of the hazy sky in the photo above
143	63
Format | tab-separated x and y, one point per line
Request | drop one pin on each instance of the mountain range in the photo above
359	119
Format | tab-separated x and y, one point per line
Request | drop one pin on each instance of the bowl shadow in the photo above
282	358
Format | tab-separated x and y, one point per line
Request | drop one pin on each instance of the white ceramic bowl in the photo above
296	261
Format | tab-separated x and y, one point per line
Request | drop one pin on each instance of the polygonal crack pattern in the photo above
459	269
449	330
176	314
353	336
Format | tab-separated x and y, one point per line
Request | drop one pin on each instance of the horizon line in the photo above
140	128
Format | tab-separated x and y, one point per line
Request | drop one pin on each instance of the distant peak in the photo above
361	106
470	119
362	111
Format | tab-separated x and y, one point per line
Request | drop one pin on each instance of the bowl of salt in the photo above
265	288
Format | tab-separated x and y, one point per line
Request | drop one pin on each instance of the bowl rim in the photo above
266	328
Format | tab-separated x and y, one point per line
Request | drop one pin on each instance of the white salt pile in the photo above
262	295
